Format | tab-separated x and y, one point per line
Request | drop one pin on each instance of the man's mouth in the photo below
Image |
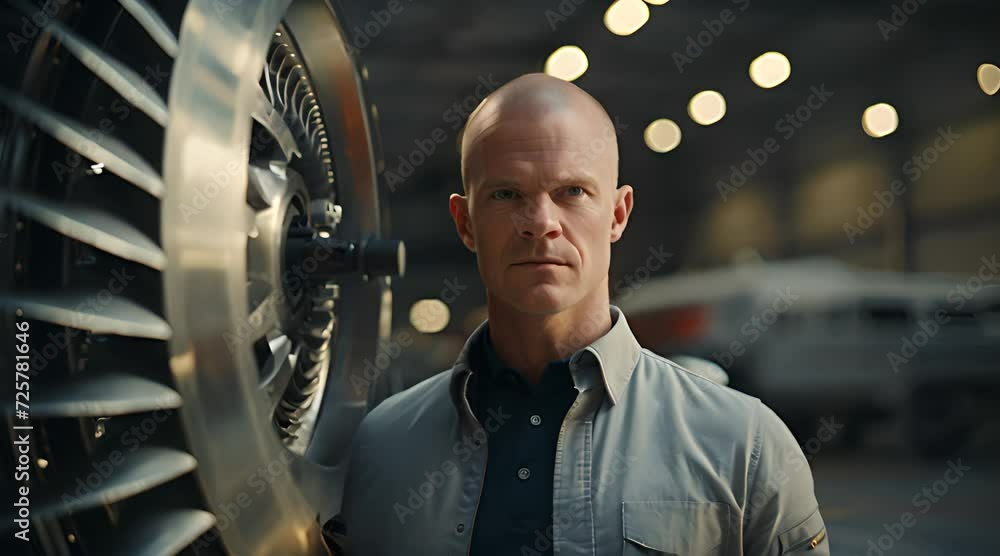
541	262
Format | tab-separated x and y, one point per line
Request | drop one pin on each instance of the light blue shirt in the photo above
650	456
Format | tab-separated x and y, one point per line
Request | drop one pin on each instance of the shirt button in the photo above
523	473
460	528
536	420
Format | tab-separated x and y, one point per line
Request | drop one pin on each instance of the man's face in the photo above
541	209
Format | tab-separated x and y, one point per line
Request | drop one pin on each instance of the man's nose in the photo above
538	219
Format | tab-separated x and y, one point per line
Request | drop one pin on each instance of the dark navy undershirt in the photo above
515	511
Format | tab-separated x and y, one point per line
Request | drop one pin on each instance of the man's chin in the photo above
543	299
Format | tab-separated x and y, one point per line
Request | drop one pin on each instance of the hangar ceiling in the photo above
433	54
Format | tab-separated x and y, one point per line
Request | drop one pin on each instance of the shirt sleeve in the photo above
781	515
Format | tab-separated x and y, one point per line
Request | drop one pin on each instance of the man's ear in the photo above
458	206
622	211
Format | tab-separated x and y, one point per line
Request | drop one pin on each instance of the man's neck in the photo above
528	342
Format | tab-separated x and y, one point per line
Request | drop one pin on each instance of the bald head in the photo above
542	203
541	105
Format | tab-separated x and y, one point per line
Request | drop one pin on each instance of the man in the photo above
555	432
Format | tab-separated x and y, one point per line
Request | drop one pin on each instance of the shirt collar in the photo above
612	358
491	359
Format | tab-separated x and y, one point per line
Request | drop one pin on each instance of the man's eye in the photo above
503	194
575	190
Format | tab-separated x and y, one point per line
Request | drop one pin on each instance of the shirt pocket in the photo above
806	537
675	527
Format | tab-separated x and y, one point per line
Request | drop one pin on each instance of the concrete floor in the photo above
865	493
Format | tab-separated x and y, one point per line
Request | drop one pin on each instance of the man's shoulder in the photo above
426	396
723	410
694	386
715	410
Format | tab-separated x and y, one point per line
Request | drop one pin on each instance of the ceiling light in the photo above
770	69
880	120
707	107
662	135
567	63
625	17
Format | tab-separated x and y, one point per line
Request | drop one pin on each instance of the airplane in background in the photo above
816	338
